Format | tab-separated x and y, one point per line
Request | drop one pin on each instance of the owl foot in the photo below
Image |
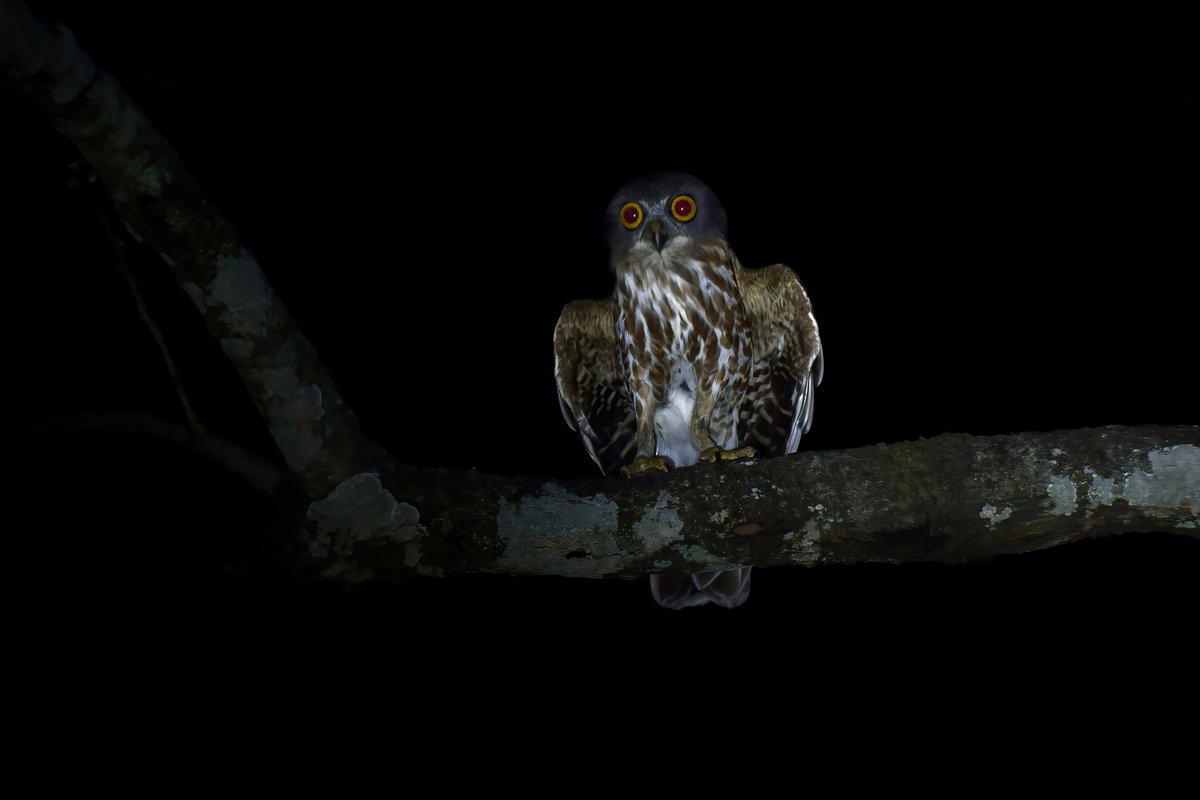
644	464
711	454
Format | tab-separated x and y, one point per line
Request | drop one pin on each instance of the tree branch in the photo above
951	498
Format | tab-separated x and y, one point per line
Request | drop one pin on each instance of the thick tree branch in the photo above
950	498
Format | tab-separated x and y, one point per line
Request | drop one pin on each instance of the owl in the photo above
693	358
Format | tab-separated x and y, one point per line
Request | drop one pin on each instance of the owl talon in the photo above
741	452
645	464
711	454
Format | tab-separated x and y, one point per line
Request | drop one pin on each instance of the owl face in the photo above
657	213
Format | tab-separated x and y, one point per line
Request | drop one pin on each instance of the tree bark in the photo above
950	498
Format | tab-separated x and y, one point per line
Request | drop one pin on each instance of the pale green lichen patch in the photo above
360	509
1173	480
295	415
298	411
144	169
808	548
803	546
812	531
248	306
660	525
993	517
580	530
695	554
246	311
815	525
1100	490
318	544
1062	494
240	297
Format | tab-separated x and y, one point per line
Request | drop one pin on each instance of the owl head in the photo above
657	212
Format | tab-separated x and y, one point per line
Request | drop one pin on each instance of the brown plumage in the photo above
693	356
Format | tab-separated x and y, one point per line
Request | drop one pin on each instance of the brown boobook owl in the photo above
694	357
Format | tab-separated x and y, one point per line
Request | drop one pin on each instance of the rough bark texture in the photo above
951	498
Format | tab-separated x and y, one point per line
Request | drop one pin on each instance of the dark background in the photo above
996	222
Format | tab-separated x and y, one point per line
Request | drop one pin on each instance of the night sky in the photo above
997	229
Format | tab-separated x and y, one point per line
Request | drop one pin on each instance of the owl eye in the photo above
684	208
631	215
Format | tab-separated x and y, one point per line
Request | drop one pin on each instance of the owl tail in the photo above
727	587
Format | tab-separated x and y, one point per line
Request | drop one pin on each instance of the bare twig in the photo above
118	242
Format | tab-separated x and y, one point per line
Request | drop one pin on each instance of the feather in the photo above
591	386
787	352
728	588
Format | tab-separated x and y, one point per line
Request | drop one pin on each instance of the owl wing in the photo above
592	391
788	360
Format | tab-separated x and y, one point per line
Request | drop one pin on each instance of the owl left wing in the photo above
788	360
591	385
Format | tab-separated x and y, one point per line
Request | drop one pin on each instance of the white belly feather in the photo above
672	419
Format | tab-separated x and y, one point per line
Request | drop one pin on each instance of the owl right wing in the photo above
592	391
788	360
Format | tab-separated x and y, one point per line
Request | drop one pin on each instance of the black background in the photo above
996	222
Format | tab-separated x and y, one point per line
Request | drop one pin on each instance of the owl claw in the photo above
711	454
645	464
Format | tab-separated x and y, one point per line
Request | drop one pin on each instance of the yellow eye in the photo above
631	215
684	208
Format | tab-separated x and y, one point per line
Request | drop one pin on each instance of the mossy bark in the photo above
952	498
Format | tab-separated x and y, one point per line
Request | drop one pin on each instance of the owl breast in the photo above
681	328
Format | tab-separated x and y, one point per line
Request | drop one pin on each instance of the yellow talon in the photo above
646	464
711	454
741	452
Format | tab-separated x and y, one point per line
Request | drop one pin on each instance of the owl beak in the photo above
656	230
